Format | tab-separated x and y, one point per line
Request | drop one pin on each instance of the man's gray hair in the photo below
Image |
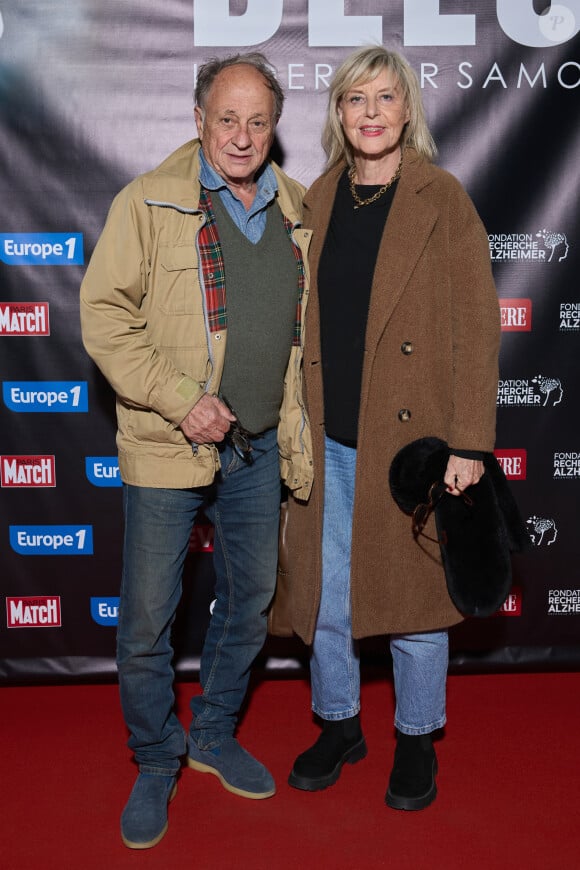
209	70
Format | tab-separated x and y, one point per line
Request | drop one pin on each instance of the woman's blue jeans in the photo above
244	506
420	661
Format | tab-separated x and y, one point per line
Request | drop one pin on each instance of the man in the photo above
192	306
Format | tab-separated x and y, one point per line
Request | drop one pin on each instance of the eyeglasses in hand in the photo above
422	512
238	437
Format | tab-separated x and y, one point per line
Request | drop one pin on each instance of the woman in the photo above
402	339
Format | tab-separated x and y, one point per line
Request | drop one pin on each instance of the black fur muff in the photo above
476	535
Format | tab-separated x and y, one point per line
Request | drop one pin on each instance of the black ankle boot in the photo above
341	741
412	782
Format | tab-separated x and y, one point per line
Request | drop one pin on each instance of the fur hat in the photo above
476	535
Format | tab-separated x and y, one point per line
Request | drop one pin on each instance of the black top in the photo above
345	276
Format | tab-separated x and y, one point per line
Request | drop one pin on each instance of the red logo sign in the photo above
33	612
24	318
27	471
516	315
512	606
201	540
513	462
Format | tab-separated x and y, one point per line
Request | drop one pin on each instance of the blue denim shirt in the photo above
251	223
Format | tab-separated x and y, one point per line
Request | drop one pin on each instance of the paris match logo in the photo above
24	318
33	612
27	471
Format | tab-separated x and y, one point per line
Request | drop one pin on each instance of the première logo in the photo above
512	606
27	471
24	318
41	611
513	462
516	315
201	540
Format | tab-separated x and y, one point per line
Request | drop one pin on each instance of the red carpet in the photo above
508	785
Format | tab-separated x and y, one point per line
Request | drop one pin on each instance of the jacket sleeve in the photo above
476	329
114	328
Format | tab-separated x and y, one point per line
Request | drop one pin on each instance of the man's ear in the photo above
198	116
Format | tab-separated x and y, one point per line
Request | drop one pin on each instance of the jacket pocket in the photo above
176	280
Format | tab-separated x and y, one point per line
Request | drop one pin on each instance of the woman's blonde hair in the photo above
363	66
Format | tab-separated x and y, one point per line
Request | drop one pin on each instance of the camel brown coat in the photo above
430	368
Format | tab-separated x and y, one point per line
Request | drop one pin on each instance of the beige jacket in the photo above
143	323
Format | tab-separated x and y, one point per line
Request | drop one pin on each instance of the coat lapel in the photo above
406	234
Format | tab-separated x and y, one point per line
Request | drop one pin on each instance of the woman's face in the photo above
373	115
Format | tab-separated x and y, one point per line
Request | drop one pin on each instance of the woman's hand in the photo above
462	473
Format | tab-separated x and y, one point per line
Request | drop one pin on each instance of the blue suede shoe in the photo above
144	819
235	768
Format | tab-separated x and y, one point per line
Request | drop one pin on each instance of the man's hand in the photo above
208	421
462	473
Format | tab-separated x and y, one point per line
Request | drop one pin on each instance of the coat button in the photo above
404	415
407	347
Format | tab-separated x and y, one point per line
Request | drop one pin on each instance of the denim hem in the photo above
422	729
243	503
336	717
158	771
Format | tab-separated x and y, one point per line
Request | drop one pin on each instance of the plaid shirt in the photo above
213	272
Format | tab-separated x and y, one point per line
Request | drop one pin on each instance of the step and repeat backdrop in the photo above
94	92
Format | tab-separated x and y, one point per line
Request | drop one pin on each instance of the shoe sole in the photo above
305	783
399	802
206	768
150	843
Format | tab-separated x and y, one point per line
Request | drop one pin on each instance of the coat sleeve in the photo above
476	329
114	328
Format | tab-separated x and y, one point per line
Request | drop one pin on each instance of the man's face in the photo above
237	125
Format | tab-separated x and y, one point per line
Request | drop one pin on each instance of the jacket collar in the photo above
176	182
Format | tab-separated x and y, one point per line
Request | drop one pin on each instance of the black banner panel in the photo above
94	92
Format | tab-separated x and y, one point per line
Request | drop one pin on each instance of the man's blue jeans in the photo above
419	660
244	506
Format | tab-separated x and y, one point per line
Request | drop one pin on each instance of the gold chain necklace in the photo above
360	202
